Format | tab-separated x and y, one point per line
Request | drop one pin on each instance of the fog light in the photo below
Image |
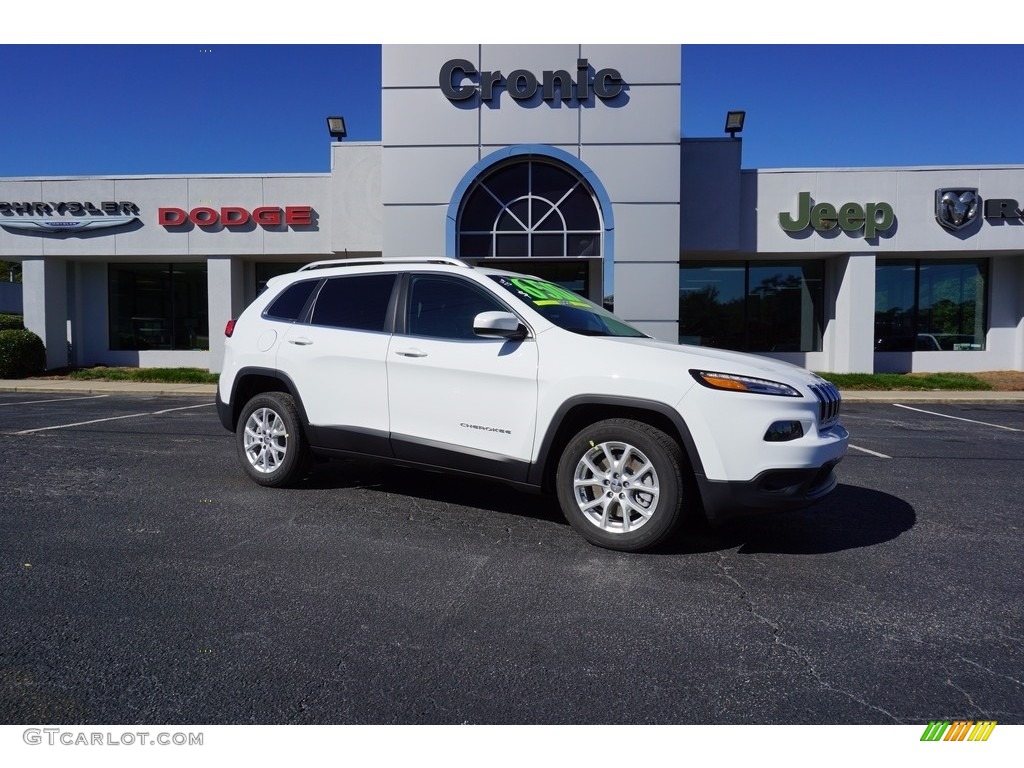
781	431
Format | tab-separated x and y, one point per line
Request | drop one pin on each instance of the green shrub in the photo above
11	323
22	354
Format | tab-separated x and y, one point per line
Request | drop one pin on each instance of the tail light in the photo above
229	328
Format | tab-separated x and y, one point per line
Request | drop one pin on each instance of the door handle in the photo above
410	352
302	341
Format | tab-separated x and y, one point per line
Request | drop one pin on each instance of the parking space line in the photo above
54	400
873	453
959	418
110	418
183	408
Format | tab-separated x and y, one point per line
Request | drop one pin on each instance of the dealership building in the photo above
562	161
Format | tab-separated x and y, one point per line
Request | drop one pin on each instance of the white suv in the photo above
433	363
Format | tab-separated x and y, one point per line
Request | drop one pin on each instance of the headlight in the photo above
735	383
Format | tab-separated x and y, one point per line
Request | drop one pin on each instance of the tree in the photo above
10	271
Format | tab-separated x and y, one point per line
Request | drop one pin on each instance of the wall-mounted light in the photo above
734	122
336	127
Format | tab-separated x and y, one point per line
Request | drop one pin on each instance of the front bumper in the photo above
773	490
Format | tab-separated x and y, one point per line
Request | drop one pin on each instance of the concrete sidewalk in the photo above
67	386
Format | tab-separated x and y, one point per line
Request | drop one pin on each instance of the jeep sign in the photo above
872	218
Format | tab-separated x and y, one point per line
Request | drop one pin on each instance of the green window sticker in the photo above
547	294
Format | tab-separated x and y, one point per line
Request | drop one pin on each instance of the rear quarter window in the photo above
292	301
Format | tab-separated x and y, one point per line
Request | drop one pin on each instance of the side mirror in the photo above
498	325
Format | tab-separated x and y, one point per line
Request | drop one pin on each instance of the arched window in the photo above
532	209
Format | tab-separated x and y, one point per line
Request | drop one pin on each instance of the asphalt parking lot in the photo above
146	580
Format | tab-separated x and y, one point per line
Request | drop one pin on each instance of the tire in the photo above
601	478
271	444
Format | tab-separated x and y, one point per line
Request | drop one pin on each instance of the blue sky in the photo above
140	109
72	109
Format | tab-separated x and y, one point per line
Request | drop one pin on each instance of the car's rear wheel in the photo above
270	441
620	484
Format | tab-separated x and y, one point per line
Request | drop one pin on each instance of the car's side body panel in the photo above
479	394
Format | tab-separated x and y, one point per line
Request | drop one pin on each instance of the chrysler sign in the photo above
67	216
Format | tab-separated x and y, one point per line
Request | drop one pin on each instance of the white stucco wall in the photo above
346	215
147	239
631	143
910	192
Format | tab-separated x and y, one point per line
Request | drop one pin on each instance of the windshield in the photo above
564	308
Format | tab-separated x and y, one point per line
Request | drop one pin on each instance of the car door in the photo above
338	362
456	399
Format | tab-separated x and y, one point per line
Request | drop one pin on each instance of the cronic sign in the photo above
460	80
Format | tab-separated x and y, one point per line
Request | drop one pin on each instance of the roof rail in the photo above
384	262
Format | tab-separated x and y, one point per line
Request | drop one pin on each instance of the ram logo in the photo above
956	208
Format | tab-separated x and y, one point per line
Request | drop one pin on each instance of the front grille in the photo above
829	401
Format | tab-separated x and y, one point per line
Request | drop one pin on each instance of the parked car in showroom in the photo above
436	364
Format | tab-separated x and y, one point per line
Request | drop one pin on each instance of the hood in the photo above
720	360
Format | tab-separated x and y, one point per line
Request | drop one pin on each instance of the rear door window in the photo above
359	302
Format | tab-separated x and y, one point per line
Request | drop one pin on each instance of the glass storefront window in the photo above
711	306
930	305
158	306
752	306
530	209
895	305
572	275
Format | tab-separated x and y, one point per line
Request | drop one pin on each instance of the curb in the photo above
943	396
105	387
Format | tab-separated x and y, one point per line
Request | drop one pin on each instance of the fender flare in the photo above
687	442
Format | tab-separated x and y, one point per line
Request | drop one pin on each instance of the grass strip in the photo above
155	375
963	382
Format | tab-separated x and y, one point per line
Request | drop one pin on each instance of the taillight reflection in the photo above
229	328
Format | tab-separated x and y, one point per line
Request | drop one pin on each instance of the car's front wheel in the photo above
270	441
620	484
